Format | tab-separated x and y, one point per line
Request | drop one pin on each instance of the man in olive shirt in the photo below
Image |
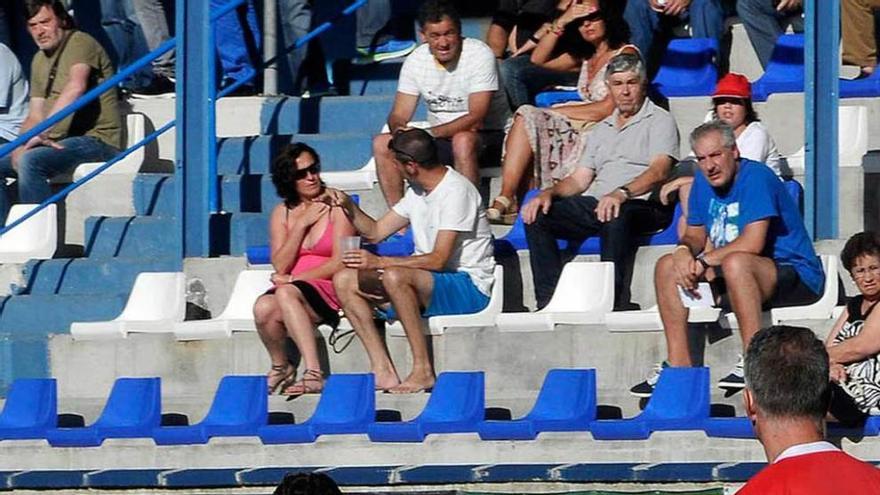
69	64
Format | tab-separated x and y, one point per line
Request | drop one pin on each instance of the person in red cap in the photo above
731	104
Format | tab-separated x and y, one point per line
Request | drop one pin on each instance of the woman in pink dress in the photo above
305	243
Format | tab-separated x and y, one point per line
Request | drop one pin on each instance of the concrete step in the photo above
31	313
138	236
89	276
154	194
247	229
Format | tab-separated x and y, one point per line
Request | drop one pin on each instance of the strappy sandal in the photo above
503	211
279	377
312	382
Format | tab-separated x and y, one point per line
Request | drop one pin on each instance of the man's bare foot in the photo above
414	384
386	380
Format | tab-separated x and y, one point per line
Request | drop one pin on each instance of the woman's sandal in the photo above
503	211
312	382
279	377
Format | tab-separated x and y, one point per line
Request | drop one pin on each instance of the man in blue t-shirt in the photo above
760	256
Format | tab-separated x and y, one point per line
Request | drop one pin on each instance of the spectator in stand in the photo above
649	18
761	255
765	20
859	42
854	342
516	28
154	24
458	80
126	36
69	64
305	242
238	45
13	95
451	271
377	37
628	154
786	398
307	484
731	104
550	141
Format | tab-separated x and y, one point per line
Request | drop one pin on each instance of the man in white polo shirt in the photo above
458	79
449	273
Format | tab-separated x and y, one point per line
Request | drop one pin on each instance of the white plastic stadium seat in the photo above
156	302
130	165
583	295
364	177
648	320
237	316
819	310
852	142
438	325
35	238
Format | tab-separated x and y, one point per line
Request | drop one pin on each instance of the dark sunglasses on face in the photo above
302	173
592	17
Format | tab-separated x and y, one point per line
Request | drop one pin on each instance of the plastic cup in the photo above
351	243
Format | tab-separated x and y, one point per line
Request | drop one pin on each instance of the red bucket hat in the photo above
733	86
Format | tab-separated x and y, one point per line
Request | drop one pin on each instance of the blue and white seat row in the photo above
567	402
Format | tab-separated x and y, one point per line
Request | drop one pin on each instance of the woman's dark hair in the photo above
616	30
307	484
751	114
284	171
31	7
861	244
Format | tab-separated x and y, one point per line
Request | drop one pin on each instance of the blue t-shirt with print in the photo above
757	194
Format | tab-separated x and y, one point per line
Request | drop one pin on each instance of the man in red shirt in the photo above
786	397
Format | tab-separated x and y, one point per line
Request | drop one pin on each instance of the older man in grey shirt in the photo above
628	155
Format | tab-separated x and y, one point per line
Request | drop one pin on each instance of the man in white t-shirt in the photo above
449	273
458	79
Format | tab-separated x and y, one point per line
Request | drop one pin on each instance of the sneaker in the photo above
386	51
646	388
159	87
736	379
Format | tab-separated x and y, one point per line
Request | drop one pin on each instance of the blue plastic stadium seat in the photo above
240	408
457	405
785	71
738	427
868	87
688	68
567	402
347	405
515	239
549	98
680	402
31	408
133	410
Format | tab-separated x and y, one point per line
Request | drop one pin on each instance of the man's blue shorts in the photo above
454	294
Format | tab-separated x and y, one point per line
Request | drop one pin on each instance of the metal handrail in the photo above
116	79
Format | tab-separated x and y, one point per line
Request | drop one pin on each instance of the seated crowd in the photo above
607	166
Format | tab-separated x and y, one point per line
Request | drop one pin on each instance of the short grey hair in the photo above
728	138
626	62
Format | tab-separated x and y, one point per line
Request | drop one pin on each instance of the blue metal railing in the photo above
111	84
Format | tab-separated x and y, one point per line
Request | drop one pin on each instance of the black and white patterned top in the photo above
863	377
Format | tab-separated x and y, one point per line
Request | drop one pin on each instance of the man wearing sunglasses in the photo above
458	80
450	272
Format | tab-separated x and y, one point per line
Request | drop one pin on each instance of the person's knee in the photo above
664	270
288	295
345	281
264	310
464	144
737	265
394	278
380	145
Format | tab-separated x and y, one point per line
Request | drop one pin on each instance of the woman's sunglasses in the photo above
302	173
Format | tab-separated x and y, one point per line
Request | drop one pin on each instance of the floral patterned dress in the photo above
863	377
557	141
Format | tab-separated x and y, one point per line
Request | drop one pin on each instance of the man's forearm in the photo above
429	261
363	223
467	122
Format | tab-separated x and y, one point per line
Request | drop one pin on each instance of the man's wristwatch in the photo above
626	192
702	259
